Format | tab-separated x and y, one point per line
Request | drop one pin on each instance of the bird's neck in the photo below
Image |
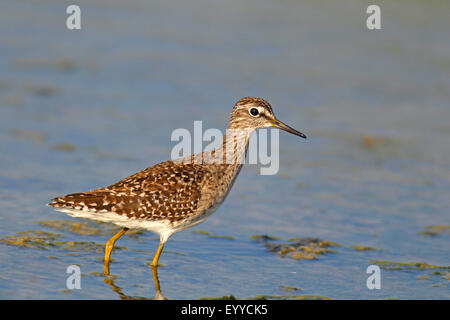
232	156
234	146
230	153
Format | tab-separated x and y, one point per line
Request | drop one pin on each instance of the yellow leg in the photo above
109	246
158	253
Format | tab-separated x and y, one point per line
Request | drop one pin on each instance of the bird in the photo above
174	195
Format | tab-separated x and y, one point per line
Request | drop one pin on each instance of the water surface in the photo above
83	109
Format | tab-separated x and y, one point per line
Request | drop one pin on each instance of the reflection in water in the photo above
158	294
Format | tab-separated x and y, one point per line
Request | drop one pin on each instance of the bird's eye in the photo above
254	112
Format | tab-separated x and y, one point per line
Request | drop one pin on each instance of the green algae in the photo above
313	297
297	248
43	240
445	275
206	233
270	297
289	289
363	248
230	297
211	235
408	266
274	297
435	271
289	297
81	228
438	285
85	246
32	239
264	237
174	252
66	291
100	274
222	237
435	230
88	228
285	176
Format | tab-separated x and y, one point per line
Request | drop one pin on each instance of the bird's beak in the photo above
280	125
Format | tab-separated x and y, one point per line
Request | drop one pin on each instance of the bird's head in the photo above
252	113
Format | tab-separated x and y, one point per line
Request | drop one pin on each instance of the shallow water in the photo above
83	109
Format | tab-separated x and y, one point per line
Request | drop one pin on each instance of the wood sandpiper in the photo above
176	194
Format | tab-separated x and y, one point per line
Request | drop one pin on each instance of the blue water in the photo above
84	109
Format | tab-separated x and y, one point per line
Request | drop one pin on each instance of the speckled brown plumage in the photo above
164	191
167	191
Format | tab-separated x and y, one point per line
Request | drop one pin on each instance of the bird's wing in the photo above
167	190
